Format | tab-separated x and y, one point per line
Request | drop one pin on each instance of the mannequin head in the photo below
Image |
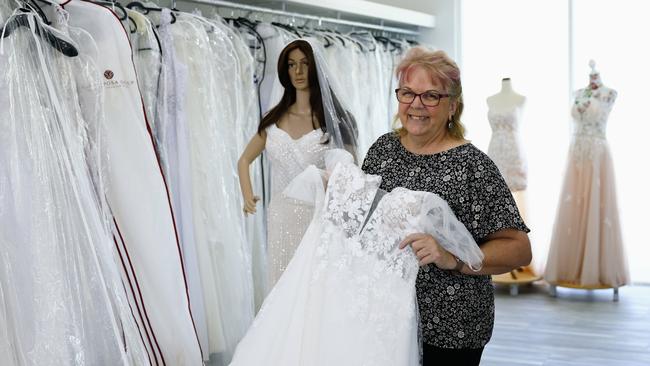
297	73
594	76
422	70
296	62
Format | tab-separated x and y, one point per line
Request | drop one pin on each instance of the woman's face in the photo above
418	119
298	69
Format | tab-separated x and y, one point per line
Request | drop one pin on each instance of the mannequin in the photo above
586	248
292	133
511	163
506	98
504	111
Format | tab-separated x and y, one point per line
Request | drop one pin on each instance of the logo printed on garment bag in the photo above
110	83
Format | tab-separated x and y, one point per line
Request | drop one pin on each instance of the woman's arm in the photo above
503	251
252	151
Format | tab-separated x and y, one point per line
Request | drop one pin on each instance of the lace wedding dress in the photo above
587	246
505	147
348	295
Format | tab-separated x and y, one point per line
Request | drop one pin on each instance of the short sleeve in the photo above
492	207
371	163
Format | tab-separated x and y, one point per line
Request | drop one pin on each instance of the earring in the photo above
450	124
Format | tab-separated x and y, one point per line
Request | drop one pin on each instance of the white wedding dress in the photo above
348	295
506	149
288	219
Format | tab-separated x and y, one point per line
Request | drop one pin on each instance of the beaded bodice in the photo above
289	157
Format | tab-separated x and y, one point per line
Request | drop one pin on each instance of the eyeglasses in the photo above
429	98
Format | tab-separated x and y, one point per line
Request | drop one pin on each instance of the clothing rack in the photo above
318	19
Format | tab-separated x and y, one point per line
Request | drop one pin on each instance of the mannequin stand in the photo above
553	288
515	278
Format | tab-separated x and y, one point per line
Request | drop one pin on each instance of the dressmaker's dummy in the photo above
504	113
586	248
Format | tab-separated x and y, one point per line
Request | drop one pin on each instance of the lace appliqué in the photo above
349	198
505	148
590	112
347	246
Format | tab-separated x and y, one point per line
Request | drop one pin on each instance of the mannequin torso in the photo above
506	99
505	149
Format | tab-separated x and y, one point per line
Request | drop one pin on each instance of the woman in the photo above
429	153
295	134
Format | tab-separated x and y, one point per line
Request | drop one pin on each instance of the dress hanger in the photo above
32	15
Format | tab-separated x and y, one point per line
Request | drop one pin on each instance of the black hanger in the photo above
133	26
31	4
328	40
250	27
246	22
338	35
412	42
41	29
383	40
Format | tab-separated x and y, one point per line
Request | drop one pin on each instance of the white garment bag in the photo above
137	194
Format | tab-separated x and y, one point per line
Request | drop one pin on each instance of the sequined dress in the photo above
287	218
587	247
347	297
505	147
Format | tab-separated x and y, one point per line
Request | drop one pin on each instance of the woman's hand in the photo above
428	251
249	204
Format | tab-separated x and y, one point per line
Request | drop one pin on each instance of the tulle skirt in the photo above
310	318
587	247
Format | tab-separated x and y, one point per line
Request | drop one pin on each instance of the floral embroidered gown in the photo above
348	295
586	246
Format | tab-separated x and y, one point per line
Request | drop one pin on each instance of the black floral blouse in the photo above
456	310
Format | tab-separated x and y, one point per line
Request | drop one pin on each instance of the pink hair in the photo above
440	67
437	63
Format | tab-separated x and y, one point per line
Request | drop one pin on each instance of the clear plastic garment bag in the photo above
61	298
224	258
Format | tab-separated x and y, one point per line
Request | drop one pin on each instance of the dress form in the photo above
504	113
505	108
506	98
586	248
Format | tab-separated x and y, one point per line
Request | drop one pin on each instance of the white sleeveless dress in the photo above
505	147
287	218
